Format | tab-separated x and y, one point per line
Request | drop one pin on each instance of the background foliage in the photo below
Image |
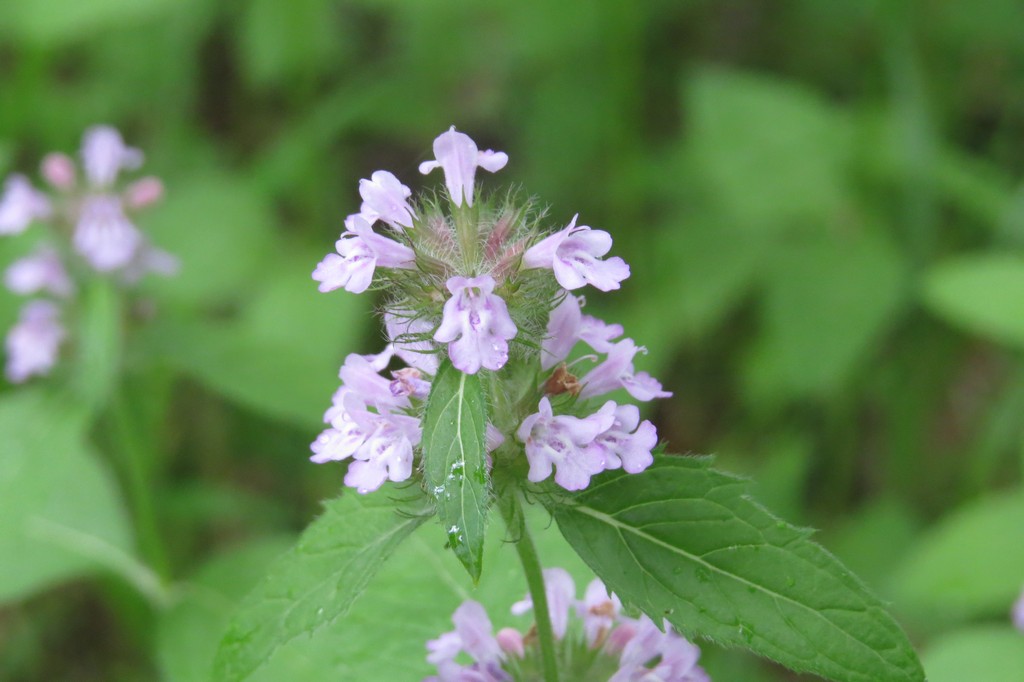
822	210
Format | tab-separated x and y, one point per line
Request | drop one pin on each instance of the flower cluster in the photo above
479	280
88	229
600	642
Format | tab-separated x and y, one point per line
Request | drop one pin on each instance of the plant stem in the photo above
134	457
512	510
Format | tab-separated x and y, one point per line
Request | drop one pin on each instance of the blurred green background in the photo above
820	202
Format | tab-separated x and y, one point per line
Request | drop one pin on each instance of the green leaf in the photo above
454	461
992	654
57	21
61	512
969	564
982	294
411	600
188	632
316	582
685	542
218	263
770	152
827	302
280	355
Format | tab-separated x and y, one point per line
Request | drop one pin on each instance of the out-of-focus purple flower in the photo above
58	170
599	609
104	155
385	198
149	259
104	236
458	156
574	255
617	372
418	352
567	324
560	591
34	341
473	634
1018	613
676	656
20	204
144	192
361	252
475	325
563	442
627	443
511	642
41	271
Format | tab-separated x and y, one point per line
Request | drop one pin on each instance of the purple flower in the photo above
599	609
409	381
410	337
104	155
476	325
20	205
567	324
1018	613
617	372
560	591
144	192
473	634
360	374
380	443
104	236
573	253
361	251
33	343
58	170
458	156
385	198
676	657
563	441
149	259
627	443
42	271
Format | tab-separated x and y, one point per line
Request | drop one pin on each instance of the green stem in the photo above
512	510
134	456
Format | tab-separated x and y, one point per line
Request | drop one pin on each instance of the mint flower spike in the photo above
21	204
458	156
360	251
635	649
385	198
476	325
34	342
574	255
